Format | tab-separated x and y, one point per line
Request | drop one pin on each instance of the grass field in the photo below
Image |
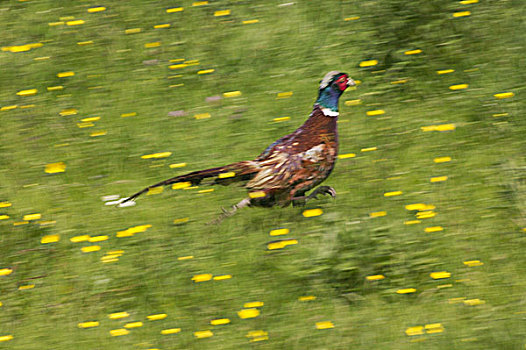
437	120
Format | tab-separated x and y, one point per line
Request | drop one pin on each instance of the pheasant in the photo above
289	167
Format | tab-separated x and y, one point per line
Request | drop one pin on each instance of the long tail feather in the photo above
233	172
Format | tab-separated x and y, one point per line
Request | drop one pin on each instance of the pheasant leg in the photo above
323	190
227	213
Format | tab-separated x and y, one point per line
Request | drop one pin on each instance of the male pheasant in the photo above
289	167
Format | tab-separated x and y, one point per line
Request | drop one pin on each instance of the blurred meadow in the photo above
422	249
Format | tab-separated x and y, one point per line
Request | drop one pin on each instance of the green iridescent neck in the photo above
328	98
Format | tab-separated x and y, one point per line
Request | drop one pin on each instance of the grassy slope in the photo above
481	206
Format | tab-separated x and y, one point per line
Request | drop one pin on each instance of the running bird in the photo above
289	167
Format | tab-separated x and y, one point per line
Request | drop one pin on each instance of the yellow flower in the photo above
30	217
98	238
133	325
203	334
119	332
434	328
75	23
375	277
392	194
170	331
504	95
89	324
279	232
411	222
181	185
152	45
118	315
157	155
375	112
442	159
425	214
54	168
96	9
440	275
353	102
459	87
347	155
78	239
324	325
434	229
312	212
202	116
178	66
406	291
222	277
91	248
438	179
155	190
50	239
219	321
202	277
174	9
420	207
368	63
257	194
226	175
156	317
256	334
6	337
221	13
461	14
416	330
180	221
27	286
132	31
5	271
187	257
28	92
177	165
232	94
65	74
286	94
445	127
248	313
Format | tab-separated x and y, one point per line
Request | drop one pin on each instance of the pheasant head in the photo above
331	87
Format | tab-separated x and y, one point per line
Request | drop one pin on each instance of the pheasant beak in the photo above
350	82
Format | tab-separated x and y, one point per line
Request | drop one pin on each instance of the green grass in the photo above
481	206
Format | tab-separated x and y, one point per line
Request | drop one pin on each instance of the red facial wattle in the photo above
342	83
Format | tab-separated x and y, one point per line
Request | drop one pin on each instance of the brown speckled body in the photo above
296	162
